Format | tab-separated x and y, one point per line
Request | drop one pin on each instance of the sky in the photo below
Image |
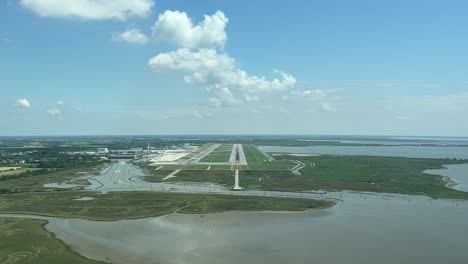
349	67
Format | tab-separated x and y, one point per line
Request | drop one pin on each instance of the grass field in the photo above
197	151
223	177
224	147
366	173
216	158
258	161
16	171
221	154
357	173
35	183
26	241
249	179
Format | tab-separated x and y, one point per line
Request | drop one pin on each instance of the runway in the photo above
232	159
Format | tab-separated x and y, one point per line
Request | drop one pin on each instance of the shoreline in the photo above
333	200
47	217
449	183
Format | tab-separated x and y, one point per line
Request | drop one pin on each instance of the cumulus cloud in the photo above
55	112
220	73
23	103
310	94
312	100
59	103
89	9
177	27
133	35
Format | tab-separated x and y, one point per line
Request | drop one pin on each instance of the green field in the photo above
365	173
256	160
26	241
249	179
197	151
216	158
357	173
224	147
35	183
223	177
194	167
221	154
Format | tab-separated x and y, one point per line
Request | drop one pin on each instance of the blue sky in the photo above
233	67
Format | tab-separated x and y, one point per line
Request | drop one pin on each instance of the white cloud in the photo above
251	98
326	107
23	103
133	35
89	9
59	103
312	100
310	94
177	27
55	112
220	73
197	114
224	95
214	102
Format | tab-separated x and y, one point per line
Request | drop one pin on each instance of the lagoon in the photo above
364	228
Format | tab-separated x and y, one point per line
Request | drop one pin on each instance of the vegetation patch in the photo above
367	173
26	241
256	160
128	205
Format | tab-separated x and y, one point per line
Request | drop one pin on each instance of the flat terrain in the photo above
258	161
14	170
35	183
2	169
26	241
220	154
130	205
357	173
217	157
364	173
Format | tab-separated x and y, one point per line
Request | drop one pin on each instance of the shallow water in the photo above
457	173
362	229
387	151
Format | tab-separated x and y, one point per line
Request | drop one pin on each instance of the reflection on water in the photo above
362	229
387	151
